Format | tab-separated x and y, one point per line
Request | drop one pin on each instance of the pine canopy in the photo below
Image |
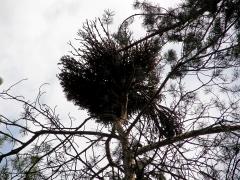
104	80
100	78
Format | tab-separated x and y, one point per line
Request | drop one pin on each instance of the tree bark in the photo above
128	160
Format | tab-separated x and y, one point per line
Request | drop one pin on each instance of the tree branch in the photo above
42	132
205	131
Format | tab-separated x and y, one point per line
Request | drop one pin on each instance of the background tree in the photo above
159	112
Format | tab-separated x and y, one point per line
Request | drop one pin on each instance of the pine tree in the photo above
164	106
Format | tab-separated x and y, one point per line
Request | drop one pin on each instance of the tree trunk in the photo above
128	160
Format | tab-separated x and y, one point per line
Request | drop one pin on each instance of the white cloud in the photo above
34	35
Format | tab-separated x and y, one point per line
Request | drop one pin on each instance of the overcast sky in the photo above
34	35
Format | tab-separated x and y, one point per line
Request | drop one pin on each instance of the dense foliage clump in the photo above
104	80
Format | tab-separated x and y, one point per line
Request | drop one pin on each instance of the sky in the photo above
34	36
